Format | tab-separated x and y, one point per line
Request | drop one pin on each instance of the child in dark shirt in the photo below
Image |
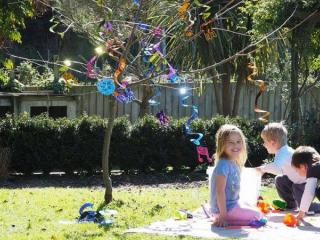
306	161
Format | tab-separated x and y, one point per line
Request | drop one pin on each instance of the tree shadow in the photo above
119	179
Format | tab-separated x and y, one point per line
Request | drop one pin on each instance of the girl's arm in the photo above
221	201
307	197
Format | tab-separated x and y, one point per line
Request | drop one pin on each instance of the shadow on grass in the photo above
119	179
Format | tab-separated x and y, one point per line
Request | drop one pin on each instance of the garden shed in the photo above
37	102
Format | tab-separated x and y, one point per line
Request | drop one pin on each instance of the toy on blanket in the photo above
279	205
183	214
264	206
290	220
258	223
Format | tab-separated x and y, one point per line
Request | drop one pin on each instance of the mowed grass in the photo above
35	213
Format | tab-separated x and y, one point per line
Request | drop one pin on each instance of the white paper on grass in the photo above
249	186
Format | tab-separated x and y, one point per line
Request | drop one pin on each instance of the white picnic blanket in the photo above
202	227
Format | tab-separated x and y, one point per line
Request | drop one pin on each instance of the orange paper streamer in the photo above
121	66
208	32
254	71
183	8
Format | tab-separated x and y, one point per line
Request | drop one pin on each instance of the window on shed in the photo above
5	110
54	111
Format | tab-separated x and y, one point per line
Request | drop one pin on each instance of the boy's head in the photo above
303	157
274	136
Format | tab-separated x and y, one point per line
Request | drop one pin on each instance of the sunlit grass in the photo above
35	213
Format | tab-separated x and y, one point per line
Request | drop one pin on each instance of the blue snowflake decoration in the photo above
106	86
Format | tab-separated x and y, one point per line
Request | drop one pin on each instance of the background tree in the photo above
299	44
300	37
13	14
230	29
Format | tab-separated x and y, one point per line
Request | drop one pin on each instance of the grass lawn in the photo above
34	213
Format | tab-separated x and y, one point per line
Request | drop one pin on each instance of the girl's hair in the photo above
304	155
221	140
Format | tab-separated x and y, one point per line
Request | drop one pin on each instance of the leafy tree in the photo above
12	16
147	36
300	36
230	35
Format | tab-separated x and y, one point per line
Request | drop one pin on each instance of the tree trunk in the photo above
106	151
216	91
226	93
242	73
295	105
294	80
144	106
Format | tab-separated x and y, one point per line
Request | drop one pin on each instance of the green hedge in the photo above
45	144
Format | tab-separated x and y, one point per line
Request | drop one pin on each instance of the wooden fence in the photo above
93	103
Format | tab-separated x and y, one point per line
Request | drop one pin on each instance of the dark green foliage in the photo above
148	144
90	131
45	144
120	147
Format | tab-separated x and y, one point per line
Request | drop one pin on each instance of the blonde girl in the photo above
230	156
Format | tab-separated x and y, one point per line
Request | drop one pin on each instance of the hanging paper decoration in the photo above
106	86
157	58
69	79
172	75
203	153
152	55
108	26
147	53
184	99
144	26
124	95
254	71
157	32
119	70
188	30
197	140
187	127
154	101
208	32
183	8
90	68
162	117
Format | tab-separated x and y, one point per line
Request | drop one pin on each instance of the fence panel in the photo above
93	103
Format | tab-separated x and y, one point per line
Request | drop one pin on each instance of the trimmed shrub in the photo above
5	157
120	145
45	144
